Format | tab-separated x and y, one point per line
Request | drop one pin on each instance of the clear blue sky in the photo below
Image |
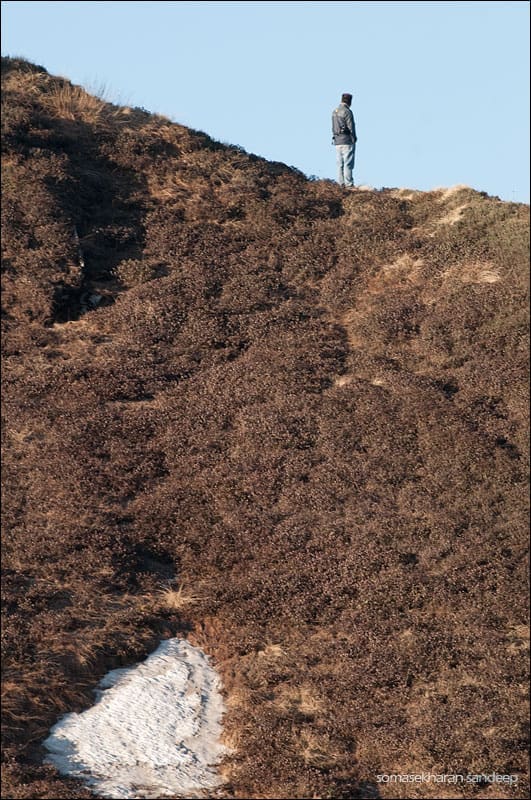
441	89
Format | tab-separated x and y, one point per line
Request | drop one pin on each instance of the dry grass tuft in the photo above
317	751
73	102
176	599
302	699
68	101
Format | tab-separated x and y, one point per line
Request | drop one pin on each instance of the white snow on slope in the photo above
153	732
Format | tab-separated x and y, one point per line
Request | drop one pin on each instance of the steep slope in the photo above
285	423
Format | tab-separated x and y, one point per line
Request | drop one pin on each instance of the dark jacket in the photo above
343	126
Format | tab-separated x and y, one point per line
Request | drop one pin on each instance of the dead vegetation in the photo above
304	417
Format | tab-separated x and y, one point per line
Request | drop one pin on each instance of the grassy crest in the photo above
289	424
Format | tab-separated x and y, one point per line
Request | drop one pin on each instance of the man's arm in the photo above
352	125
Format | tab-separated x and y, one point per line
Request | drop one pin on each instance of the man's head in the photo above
346	98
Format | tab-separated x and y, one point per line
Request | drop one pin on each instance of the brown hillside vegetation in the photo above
289	424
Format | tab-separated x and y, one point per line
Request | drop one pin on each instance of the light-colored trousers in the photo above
345	163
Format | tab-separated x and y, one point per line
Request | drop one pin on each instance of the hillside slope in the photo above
289	424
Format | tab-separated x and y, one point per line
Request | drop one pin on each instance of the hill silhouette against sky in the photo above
286	423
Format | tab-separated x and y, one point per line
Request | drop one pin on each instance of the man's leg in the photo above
349	164
339	159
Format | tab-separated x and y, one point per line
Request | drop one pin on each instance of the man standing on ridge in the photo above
344	137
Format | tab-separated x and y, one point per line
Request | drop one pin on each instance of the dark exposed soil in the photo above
307	409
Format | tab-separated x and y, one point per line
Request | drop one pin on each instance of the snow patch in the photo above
153	732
